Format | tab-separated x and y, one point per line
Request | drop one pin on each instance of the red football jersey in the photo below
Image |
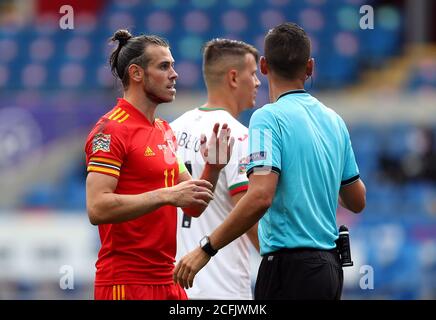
141	155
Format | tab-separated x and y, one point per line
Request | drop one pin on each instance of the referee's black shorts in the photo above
302	273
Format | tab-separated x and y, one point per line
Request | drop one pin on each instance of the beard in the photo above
153	94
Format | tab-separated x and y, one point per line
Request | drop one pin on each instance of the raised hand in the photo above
218	150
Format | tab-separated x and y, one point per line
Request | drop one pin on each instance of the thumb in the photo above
203	145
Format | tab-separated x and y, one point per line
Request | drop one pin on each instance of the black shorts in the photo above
296	274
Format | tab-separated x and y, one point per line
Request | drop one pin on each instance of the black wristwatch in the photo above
206	246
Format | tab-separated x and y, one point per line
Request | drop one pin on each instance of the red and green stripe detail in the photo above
239	187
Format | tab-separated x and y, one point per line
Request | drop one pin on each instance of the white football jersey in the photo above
228	275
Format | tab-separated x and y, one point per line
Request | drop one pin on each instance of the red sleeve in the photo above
105	148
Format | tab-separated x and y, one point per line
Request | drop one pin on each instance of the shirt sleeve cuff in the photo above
350	181
238	187
104	165
263	168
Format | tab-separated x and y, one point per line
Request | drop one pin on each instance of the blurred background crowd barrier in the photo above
55	83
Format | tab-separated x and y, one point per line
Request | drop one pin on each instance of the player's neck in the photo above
218	99
279	86
142	103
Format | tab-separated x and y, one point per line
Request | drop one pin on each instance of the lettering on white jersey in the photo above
188	141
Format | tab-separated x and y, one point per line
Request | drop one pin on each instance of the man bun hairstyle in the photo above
122	36
131	50
287	50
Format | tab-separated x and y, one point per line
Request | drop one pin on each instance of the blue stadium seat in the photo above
188	24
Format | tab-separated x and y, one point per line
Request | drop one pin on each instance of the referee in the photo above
301	162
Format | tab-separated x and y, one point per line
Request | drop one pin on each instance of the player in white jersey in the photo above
229	69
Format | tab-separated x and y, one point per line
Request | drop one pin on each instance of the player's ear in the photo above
263	65
232	78
136	73
309	67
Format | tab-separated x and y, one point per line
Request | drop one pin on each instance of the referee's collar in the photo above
290	92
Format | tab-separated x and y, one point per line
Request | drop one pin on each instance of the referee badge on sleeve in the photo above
101	142
257	156
243	162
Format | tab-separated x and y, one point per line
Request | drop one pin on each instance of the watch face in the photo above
204	241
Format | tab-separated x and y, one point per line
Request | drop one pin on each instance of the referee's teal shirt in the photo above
309	147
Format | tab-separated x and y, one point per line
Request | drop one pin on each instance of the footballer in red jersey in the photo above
125	145
135	181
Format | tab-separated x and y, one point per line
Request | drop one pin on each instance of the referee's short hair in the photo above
287	50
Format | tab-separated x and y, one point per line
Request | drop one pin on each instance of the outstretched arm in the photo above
252	232
247	212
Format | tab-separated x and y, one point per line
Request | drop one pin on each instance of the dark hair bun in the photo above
122	36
